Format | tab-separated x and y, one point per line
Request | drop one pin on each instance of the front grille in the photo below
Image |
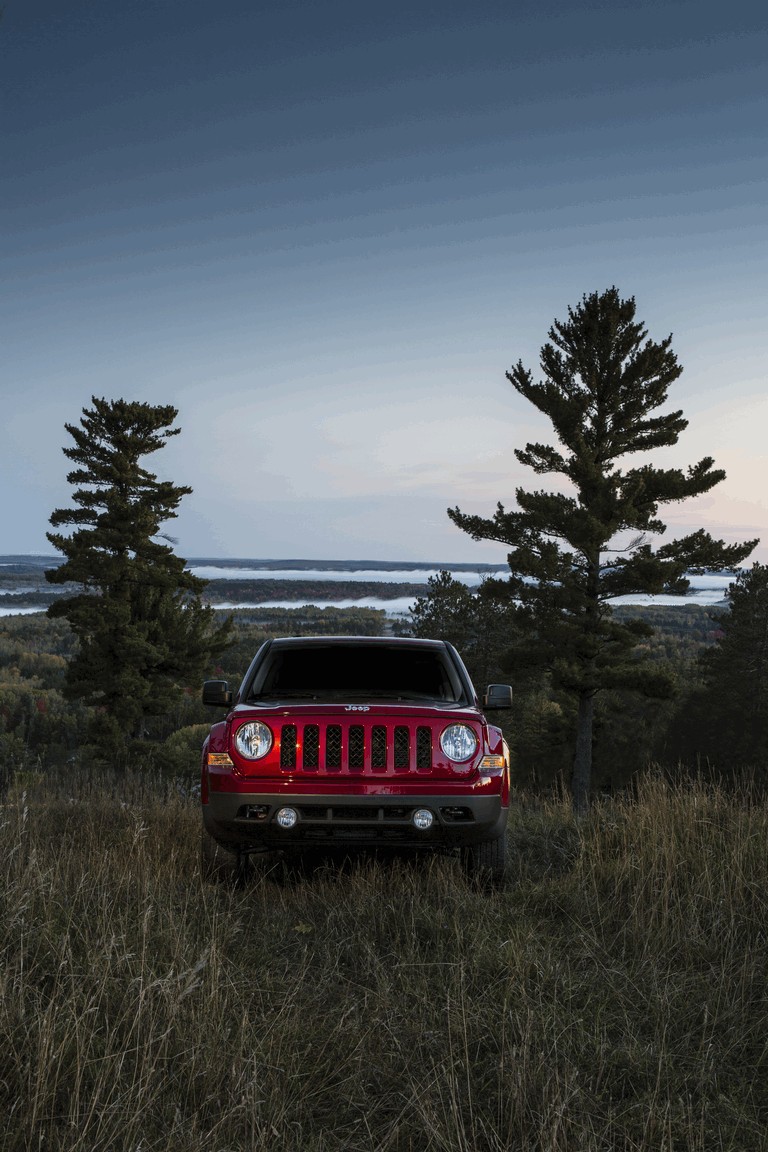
356	748
402	747
333	746
312	746
423	748
288	746
378	746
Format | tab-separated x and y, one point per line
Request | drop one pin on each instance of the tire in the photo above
485	863
221	865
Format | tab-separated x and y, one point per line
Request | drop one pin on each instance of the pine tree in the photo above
143	632
725	723
480	624
484	624
737	667
572	551
446	611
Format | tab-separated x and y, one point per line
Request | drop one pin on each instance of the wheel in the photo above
485	863
221	865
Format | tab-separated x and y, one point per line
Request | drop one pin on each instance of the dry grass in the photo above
612	998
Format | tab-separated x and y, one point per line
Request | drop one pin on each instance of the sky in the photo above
325	231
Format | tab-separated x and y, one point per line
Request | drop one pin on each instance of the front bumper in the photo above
247	820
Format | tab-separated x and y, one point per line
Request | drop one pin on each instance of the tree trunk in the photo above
582	761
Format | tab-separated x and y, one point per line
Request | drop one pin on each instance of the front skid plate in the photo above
354	820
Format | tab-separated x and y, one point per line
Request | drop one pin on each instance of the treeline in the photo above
239	591
37	725
219	591
40	728
23	582
253	626
32	598
712	717
702	724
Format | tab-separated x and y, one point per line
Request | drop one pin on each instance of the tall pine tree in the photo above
143	632
724	724
573	550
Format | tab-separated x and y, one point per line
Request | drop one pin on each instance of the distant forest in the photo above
39	727
24	579
702	726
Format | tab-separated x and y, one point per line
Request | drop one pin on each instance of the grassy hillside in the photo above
613	997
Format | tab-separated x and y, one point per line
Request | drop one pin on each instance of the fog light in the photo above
423	819
287	817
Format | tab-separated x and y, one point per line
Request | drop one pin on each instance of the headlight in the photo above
458	742
253	740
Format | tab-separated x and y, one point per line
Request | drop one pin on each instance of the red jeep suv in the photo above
353	742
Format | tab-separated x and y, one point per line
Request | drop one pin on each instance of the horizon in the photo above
270	564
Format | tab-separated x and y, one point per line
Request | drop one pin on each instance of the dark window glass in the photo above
359	672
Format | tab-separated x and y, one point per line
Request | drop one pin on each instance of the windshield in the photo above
337	672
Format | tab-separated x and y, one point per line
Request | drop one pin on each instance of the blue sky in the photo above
324	232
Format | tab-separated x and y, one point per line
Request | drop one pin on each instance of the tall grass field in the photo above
613	997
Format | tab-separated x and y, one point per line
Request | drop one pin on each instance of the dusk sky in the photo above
324	231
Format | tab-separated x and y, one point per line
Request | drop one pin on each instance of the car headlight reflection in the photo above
253	740
458	742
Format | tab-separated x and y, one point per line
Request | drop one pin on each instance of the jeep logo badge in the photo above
357	708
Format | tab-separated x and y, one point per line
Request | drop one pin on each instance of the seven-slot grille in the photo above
355	747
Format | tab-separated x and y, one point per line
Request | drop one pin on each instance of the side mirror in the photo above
217	693
498	696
